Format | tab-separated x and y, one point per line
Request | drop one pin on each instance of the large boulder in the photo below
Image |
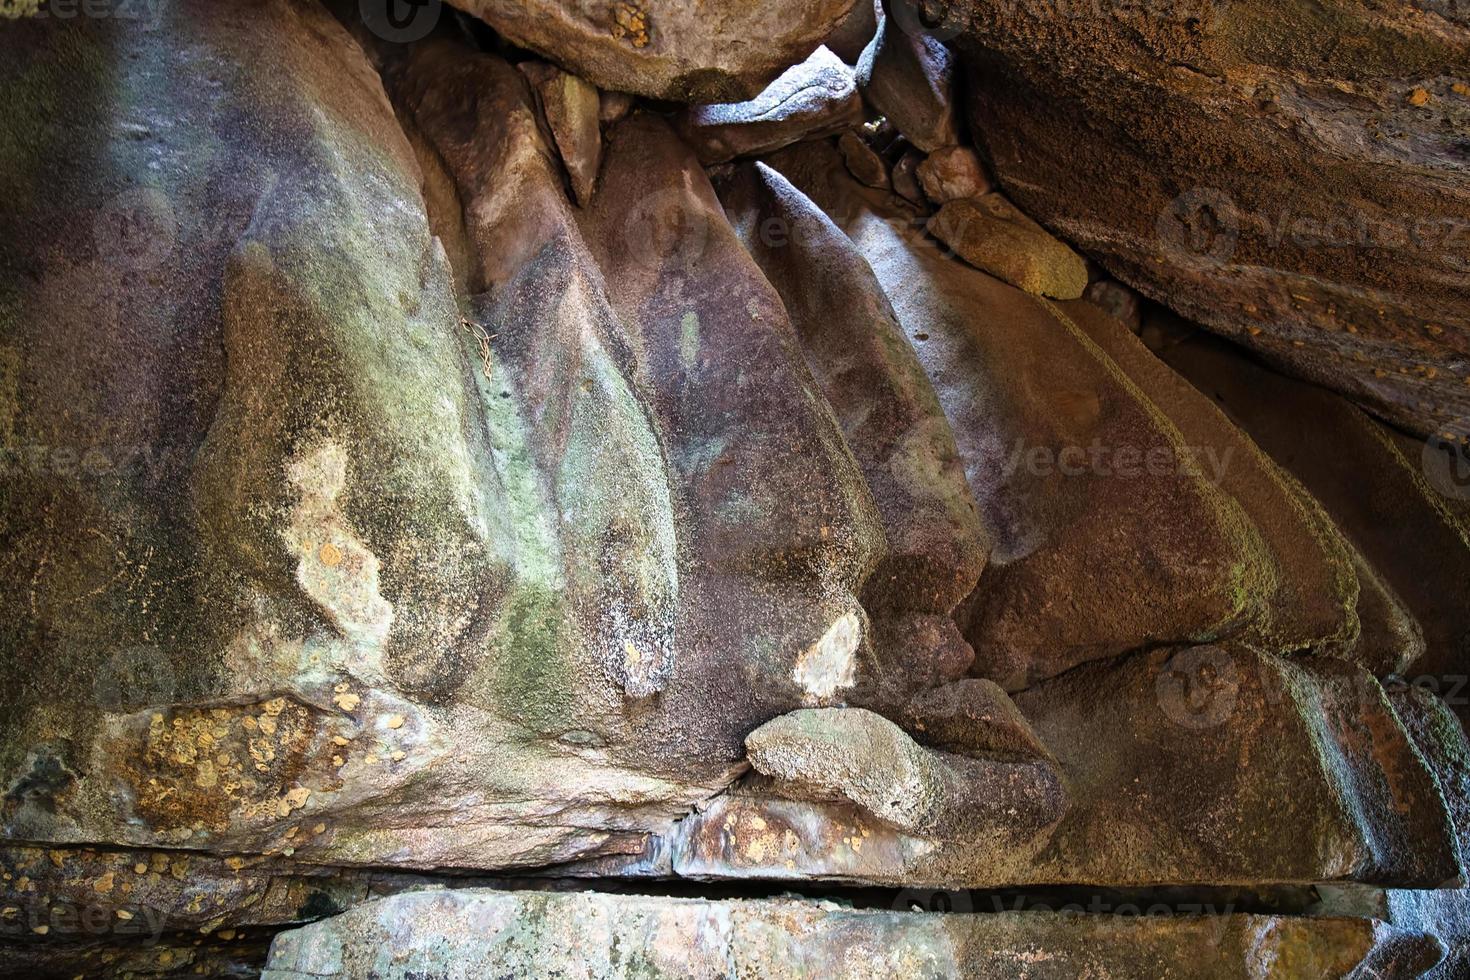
1289	173
815	98
669	49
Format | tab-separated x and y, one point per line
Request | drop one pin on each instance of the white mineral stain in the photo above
333	567
830	663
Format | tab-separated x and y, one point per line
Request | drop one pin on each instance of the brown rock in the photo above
1085	562
1262	168
815	98
864	164
890	415
990	234
1382	501
613	106
849	753
572	108
1313	594
854	33
906	178
973	717
1218	741
951	173
907	75
668	49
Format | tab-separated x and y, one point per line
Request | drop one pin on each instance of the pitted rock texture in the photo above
421	467
1289	174
669	49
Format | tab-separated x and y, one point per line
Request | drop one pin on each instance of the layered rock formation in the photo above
434	478
1289	174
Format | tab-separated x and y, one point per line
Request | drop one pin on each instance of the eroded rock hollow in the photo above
732	489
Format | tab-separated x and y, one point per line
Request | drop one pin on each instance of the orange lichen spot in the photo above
630	23
1419	96
330	555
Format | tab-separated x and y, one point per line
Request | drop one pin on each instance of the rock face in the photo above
471	933
815	98
990	234
572	109
908	76
426	478
951	173
668	49
1288	174
1405	528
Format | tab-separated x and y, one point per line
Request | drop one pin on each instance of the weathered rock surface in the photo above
830	754
951	173
906	178
470	933
815	98
863	162
908	75
573	110
1313	598
1381	499
892	421
668	49
1212	735
1085	563
851	37
1287	173
990	234
373	518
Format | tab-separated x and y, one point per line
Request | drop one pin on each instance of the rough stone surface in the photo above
906	178
852	36
1384	501
572	108
951	173
1212	735
849	753
1312	600
396	497
862	162
1287	173
465	934
812	99
1084	563
668	49
908	75
892	421
990	234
